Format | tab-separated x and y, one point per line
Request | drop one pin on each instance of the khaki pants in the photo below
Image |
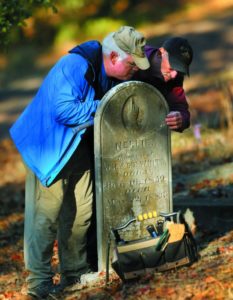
63	212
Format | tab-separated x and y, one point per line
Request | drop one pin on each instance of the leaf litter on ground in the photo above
209	278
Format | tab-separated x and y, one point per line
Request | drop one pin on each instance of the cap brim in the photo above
141	62
178	66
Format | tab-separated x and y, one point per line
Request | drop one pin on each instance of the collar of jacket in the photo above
92	52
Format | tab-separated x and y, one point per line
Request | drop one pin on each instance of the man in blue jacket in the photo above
58	156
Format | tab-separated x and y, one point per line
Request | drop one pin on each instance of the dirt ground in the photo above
210	94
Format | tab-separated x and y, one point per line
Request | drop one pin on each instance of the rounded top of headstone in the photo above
133	106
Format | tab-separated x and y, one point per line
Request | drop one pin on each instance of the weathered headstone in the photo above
132	160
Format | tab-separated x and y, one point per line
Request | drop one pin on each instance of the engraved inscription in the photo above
130	144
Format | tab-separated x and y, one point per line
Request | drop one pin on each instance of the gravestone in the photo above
132	160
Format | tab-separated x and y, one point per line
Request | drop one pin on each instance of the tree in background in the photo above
77	20
13	13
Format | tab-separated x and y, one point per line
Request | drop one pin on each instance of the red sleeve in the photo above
177	101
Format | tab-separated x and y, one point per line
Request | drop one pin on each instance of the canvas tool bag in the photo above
174	247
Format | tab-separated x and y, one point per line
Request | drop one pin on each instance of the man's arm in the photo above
74	101
179	117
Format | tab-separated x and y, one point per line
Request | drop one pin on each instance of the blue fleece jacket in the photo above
44	133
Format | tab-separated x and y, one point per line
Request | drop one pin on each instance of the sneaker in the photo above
42	290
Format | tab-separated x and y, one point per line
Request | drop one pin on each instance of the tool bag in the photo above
174	246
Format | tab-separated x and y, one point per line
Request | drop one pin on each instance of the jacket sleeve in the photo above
74	96
177	101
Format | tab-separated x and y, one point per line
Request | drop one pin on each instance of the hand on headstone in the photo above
174	120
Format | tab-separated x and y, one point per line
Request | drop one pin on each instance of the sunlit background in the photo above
208	24
48	34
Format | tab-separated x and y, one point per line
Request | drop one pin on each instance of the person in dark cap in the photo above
168	66
58	157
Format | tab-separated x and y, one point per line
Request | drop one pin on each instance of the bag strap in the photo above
190	236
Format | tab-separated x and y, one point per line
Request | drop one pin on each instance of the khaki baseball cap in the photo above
132	42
